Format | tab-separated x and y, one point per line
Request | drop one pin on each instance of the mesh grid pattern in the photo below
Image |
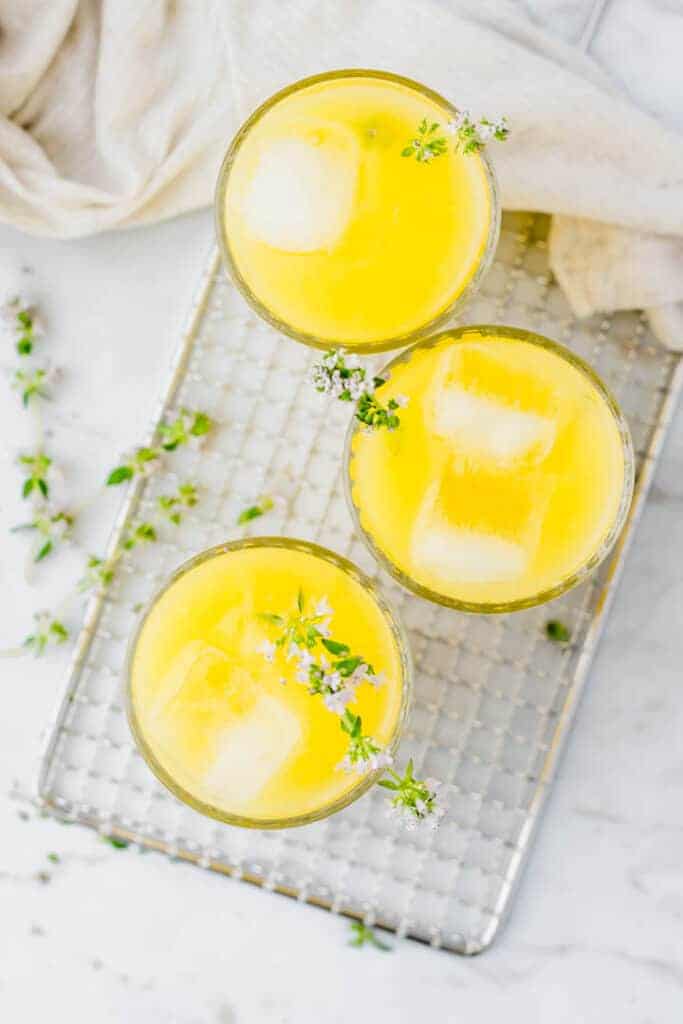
493	696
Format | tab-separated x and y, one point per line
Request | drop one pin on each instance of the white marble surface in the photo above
113	936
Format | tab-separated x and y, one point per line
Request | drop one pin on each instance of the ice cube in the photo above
300	196
482	426
195	662
251	751
452	553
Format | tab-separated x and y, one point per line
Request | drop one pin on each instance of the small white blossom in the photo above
401	401
377	679
462	118
333	680
267	649
324	628
338	700
305	657
323	607
485	132
293	651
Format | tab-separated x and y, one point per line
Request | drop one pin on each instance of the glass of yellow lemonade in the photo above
508	478
268	683
332	234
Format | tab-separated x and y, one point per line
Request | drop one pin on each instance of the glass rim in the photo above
354	792
304	337
583	571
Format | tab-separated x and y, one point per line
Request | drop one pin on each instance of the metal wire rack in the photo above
494	699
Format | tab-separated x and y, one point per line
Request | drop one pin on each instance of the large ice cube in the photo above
194	664
251	751
482	426
451	553
300	196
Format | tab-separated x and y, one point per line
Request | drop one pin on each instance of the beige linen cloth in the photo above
117	112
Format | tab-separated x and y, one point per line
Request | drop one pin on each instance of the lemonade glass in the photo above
195	675
382	249
508	479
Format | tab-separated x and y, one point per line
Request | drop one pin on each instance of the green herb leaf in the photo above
118	844
334	647
119	475
363	935
557	631
253	512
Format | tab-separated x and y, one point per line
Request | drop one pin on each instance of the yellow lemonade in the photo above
508	477
246	672
331	233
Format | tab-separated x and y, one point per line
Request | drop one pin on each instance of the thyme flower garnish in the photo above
36	467
413	800
51	527
306	638
469	136
342	377
47	630
363	935
427	144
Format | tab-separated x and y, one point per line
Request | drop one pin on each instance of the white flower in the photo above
324	628
305	658
333	680
323	607
378	679
294	651
401	401
267	649
302	675
337	701
357	676
485	132
456	123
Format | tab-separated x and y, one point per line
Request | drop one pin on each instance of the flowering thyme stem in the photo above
342	377
305	638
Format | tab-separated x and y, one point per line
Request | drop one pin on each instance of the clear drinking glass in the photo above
260	304
366	781
596	556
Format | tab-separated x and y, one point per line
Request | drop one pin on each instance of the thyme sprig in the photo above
188	425
47	631
19	316
50	527
173	506
342	377
33	384
427	144
468	136
329	669
36	466
414	800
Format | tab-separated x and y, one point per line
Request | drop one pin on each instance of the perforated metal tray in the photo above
494	699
